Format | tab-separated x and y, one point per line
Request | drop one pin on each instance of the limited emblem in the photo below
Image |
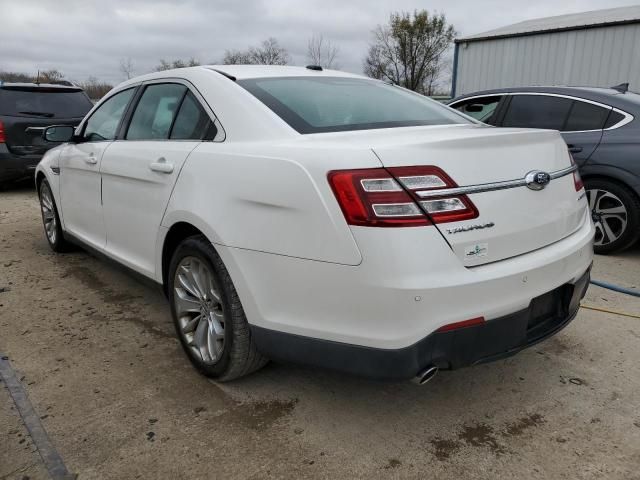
537	180
468	228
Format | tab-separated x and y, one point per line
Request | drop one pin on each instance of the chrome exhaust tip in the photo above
425	375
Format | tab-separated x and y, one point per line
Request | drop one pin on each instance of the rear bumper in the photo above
16	167
501	337
408	285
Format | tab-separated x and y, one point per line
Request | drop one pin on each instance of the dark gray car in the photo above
25	109
602	129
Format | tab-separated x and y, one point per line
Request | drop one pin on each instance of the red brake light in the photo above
465	323
372	198
2	134
381	197
577	180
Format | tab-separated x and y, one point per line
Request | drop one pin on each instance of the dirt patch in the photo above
518	427
444	448
88	278
481	435
393	463
260	416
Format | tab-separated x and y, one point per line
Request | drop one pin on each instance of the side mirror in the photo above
58	133
474	107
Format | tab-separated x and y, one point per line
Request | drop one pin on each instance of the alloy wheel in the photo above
609	216
199	309
48	214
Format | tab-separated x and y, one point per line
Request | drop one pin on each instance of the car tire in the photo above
616	214
207	313
51	220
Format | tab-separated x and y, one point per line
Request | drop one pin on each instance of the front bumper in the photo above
546	315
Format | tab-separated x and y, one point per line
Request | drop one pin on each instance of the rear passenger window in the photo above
614	118
585	116
192	122
155	111
537	111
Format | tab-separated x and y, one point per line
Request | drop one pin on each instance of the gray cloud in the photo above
83	38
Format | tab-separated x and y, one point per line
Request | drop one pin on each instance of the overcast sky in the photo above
87	37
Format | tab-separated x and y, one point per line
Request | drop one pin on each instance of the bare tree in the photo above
436	79
94	88
236	57
410	49
322	52
16	77
268	53
50	76
179	63
126	67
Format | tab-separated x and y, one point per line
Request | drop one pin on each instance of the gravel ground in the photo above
96	352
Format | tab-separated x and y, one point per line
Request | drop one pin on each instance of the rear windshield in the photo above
43	103
336	104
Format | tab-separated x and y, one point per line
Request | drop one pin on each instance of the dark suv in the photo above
25	108
602	129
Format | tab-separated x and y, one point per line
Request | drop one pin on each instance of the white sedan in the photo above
324	218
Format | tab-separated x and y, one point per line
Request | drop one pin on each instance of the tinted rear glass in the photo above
537	111
334	104
44	103
586	116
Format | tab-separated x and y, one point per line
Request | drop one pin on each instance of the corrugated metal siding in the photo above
599	57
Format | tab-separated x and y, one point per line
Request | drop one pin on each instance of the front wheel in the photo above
51	219
616	215
207	313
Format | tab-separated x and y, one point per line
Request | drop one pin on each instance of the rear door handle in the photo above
91	159
574	149
161	166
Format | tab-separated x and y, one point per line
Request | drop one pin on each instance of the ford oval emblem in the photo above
537	180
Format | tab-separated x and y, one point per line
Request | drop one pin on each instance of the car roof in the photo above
68	86
607	96
242	72
239	72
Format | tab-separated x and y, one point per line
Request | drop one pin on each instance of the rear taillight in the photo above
2	134
577	180
373	198
390	197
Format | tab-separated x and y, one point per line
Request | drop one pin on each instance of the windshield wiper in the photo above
39	114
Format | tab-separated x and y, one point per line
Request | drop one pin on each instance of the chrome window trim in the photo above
489	187
627	116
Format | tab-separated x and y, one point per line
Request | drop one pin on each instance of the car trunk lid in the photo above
511	221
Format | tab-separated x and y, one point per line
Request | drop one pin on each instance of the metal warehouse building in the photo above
599	48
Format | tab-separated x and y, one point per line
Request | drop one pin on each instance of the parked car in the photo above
324	218
602	129
25	109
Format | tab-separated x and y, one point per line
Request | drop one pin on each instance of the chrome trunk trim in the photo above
489	187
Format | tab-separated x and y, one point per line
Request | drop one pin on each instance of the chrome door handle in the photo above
574	148
91	159
161	166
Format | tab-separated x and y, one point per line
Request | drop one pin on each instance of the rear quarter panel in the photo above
262	197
